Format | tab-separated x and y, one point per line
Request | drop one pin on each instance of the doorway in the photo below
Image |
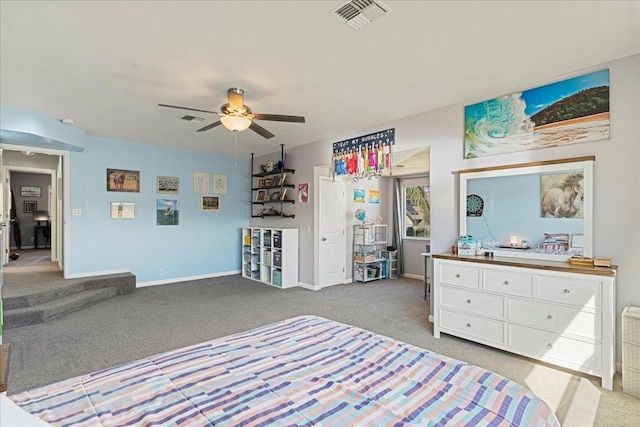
32	206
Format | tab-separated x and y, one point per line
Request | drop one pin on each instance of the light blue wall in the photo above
204	243
512	208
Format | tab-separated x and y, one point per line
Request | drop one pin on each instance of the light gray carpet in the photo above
162	318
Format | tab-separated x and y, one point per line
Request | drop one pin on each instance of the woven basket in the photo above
631	355
631	381
631	325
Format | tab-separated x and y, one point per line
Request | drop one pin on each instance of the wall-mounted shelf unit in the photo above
270	255
270	193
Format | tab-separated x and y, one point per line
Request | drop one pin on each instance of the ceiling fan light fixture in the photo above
235	123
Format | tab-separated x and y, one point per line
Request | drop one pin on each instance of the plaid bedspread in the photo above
304	371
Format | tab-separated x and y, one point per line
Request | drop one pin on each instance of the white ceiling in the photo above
107	65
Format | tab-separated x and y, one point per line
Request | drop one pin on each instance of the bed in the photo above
304	371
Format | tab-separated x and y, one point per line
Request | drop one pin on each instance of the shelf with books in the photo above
271	188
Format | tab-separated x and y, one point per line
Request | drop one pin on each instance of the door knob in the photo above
324	239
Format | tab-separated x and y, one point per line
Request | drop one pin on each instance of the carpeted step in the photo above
50	310
124	283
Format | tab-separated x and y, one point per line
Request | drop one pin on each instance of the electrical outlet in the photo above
76	212
162	271
308	229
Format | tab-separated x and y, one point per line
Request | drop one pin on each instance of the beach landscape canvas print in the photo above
567	112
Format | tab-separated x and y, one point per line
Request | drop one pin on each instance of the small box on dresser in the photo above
631	350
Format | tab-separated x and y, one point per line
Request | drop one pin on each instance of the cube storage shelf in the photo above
270	255
369	245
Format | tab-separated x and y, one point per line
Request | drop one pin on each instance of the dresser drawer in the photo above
473	301
461	275
556	318
583	356
472	326
578	292
508	282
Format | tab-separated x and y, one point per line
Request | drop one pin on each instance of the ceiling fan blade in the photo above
211	126
187	108
278	118
260	130
236	101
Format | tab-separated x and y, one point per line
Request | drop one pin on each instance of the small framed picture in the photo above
275	196
123	180
210	203
30	191
261	195
219	183
123	210
200	182
268	182
30	206
167	184
260	182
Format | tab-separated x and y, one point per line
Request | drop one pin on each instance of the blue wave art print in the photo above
566	112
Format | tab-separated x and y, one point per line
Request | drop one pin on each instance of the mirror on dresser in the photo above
540	210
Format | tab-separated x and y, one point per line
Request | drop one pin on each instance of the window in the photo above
417	211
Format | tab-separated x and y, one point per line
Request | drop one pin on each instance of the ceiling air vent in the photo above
360	13
190	118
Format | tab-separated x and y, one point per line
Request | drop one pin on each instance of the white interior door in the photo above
331	231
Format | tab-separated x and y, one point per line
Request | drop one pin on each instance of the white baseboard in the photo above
186	278
413	276
308	286
96	273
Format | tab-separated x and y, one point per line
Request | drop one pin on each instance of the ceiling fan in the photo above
236	116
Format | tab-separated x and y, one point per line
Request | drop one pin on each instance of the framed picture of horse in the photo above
123	180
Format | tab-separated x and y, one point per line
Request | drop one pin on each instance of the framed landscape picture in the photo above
123	180
210	203
30	191
566	112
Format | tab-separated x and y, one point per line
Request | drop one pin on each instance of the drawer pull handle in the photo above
506	282
549	317
458	275
566	291
468	301
468	325
549	345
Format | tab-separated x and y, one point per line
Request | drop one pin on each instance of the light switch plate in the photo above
76	212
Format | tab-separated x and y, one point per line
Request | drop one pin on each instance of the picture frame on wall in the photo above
168	184
167	212
200	182
123	210
210	203
30	206
219	183
123	180
30	191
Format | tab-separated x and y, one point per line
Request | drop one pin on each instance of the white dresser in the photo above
546	310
